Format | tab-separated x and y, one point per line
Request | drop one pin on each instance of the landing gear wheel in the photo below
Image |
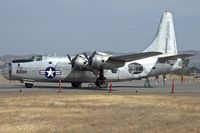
76	84
102	83
28	85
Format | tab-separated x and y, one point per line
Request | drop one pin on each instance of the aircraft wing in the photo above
132	56
174	57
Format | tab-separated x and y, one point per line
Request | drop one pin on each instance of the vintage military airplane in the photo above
159	58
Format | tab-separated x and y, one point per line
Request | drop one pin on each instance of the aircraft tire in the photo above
100	84
76	84
28	85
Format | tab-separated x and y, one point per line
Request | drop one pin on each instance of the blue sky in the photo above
72	26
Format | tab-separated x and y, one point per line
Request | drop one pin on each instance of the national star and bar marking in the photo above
50	72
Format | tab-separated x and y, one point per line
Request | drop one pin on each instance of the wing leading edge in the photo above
132	56
174	57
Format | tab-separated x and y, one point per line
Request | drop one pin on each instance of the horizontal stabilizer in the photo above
132	57
174	57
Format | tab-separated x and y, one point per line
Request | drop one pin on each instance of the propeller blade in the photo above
86	56
74	59
69	57
91	57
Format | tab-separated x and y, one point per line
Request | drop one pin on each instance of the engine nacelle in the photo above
99	60
80	63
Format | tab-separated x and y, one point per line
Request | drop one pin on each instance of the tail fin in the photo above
165	40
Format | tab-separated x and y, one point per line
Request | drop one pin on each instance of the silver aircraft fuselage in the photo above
39	70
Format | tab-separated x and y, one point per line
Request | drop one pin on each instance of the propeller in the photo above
72	60
69	57
90	58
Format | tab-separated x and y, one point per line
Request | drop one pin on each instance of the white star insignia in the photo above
50	73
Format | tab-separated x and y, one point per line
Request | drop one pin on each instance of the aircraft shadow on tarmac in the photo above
52	87
71	88
133	87
114	88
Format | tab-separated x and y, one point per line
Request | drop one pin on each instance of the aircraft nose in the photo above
6	71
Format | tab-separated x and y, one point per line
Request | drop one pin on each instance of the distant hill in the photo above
194	60
1	62
9	58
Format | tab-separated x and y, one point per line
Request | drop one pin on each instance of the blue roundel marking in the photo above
50	72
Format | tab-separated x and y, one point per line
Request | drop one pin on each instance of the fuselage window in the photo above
135	68
39	58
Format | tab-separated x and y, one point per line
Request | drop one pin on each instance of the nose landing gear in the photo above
28	85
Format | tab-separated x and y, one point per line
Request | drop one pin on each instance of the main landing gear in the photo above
147	83
101	81
76	84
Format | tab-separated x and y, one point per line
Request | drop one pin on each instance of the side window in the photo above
135	68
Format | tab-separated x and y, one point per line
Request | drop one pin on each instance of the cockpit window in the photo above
37	58
33	58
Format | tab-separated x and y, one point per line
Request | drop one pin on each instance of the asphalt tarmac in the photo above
187	87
